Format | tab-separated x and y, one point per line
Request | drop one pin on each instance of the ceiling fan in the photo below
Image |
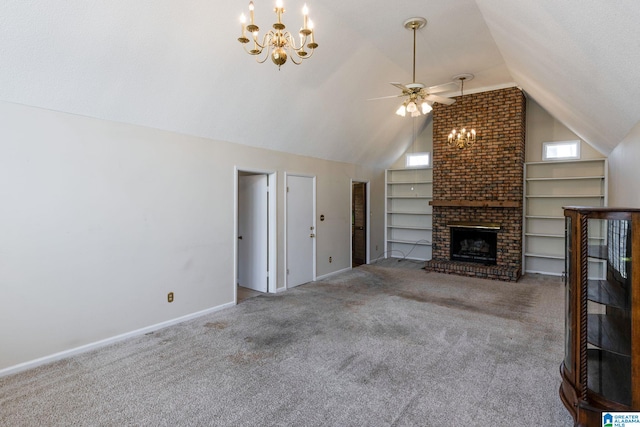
419	97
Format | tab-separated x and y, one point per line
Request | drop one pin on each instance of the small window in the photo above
415	160
561	150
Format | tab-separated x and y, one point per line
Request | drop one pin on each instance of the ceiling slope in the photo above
579	59
176	65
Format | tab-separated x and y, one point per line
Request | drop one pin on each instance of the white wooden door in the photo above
252	232
300	230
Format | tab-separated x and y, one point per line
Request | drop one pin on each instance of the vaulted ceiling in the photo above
176	65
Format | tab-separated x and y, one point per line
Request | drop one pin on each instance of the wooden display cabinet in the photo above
601	367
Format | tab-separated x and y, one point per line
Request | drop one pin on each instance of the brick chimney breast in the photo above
481	183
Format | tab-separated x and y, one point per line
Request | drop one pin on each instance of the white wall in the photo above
423	142
543	127
624	171
100	220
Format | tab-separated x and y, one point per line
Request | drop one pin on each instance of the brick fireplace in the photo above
482	184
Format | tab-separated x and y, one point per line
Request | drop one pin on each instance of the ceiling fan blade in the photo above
385	97
440	99
443	87
399	86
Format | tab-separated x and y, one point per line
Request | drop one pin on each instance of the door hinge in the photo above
287	188
287	271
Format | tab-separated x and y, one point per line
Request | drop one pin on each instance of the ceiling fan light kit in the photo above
278	43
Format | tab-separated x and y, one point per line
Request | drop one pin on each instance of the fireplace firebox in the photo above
474	242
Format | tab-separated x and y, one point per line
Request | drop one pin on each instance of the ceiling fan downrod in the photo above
414	24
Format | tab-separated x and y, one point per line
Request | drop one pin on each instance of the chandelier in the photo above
463	138
278	43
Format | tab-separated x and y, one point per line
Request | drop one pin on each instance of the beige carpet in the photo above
375	346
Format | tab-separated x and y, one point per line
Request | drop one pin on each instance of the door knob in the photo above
239	237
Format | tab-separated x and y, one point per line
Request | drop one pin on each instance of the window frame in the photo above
407	162
546	145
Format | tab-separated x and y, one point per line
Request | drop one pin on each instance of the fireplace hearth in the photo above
474	242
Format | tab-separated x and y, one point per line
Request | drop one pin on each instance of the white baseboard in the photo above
325	276
94	345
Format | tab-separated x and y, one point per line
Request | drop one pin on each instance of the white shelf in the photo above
566	178
550	185
563	196
409	213
408	169
410	227
547	256
410	197
559	236
409	182
408	216
556	162
409	242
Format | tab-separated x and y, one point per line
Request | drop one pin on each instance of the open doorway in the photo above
254	234
359	223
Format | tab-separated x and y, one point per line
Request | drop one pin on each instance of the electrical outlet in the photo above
170	297
330	260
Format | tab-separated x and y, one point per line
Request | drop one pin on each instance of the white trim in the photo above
333	273
481	89
107	341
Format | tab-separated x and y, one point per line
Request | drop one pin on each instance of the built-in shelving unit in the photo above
408	214
549	186
601	368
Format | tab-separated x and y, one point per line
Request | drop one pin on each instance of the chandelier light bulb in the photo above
279	4
426	108
243	24
401	111
305	16
415	113
411	107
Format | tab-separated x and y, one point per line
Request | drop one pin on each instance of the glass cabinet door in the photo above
609	309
